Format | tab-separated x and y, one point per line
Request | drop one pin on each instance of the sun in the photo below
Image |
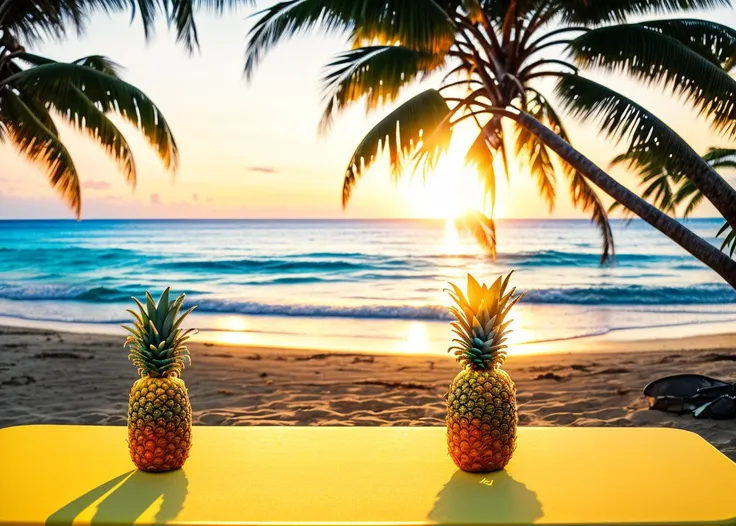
452	189
450	193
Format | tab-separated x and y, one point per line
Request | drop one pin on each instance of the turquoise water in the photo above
352	284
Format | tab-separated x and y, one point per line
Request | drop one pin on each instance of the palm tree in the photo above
35	90
672	190
493	54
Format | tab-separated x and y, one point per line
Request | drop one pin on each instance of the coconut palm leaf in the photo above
660	183
96	62
660	192
620	118
481	227
668	190
39	110
718	159
433	144
34	19
481	156
600	11
108	93
421	24
583	195
709	39
376	73
533	152
399	133
729	242
654	57
102	64
721	157
40	144
76	109
688	192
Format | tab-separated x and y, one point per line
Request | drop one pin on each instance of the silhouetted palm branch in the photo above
655	57
375	73
81	93
399	133
31	20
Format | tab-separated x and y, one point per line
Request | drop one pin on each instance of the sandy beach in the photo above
66	378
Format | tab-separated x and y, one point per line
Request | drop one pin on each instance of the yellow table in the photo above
364	476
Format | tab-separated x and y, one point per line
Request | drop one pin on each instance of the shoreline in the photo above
53	377
711	335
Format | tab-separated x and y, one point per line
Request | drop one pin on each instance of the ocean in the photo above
356	285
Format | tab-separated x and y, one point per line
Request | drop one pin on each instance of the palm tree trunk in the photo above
698	247
712	185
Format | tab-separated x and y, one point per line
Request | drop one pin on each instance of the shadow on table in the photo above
134	492
472	498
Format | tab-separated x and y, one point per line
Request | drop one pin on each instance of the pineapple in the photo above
481	404
159	413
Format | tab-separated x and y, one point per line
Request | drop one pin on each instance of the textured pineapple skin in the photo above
481	419
159	424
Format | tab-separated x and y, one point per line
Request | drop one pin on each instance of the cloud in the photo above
96	185
195	197
262	169
155	199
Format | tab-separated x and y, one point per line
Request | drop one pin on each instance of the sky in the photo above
252	150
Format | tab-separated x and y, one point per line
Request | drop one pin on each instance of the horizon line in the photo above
184	219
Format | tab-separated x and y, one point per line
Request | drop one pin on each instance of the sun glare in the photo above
451	190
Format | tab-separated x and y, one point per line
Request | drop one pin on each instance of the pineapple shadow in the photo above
134	492
483	498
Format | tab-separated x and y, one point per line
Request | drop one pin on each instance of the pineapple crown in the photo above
480	323
156	340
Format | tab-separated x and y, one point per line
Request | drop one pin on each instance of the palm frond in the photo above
688	192
714	41
659	183
729	240
84	116
376	72
400	132
481	156
41	18
420	25
39	110
583	195
650	141
102	64
35	19
109	94
602	11
535	156
718	159
654	57
586	199
481	228
41	145
34	60
721	157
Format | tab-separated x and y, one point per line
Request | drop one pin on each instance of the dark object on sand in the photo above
700	395
721	408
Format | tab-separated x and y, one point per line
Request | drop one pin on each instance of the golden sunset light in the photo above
393	243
